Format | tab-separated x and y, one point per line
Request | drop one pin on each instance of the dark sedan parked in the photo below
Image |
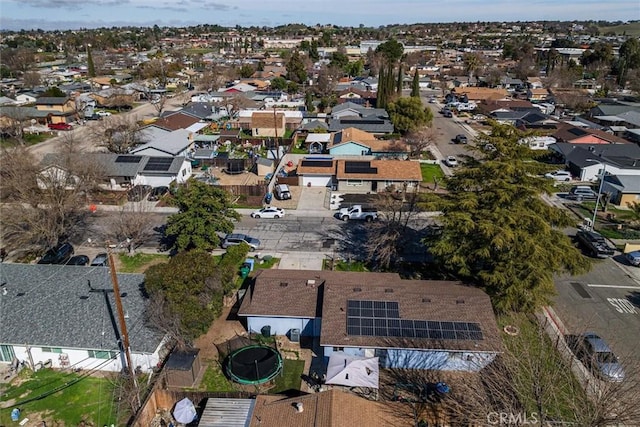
78	260
594	244
57	255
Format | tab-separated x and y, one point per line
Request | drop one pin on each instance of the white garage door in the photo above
316	181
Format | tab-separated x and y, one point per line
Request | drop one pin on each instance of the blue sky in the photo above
74	14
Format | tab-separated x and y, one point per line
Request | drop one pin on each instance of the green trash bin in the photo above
244	271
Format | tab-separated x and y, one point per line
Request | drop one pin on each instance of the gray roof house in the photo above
585	161
349	114
67	315
176	143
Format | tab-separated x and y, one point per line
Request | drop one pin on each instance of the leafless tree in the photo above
236	103
159	103
46	201
118	133
327	80
32	79
391	236
420	139
18	60
12	123
133	225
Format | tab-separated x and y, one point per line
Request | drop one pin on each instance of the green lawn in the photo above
290	378
139	262
431	171
631	29
77	399
215	380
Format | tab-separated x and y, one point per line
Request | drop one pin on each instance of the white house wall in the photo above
80	359
283	325
316	181
592	173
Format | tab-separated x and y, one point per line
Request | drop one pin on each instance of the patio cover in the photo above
352	371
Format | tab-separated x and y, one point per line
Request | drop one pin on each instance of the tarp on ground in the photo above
184	411
353	371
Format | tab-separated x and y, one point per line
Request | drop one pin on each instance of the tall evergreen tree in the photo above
380	96
498	232
91	67
399	81
415	85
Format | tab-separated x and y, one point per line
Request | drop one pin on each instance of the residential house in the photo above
584	135
58	109
537	95
6	101
121	171
116	97
489	106
613	109
355	142
177	120
26	98
417	324
177	143
65	316
357	96
349	114
479	94
622	189
586	161
364	176
534	83
316	171
268	123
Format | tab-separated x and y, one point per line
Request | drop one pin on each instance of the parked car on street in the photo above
57	255
559	175
460	139
358	212
138	193
582	192
268	212
101	260
78	260
596	355
236	239
102	113
633	258
594	244
60	126
157	193
447	114
451	161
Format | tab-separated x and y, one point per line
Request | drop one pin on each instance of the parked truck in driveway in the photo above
358	212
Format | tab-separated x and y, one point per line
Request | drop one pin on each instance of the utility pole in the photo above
123	325
275	128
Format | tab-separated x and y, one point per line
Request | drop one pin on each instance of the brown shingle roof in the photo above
176	121
261	120
270	296
331	408
397	170
418	300
567	133
480	93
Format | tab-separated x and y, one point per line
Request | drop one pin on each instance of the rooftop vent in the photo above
357	289
284	284
299	407
388	291
426	299
311	282
460	301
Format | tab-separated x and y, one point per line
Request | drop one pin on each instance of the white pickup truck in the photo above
357	212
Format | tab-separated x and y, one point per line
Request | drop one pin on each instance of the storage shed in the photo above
182	368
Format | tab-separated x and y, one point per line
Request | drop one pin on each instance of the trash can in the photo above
268	197
266	331
244	271
295	335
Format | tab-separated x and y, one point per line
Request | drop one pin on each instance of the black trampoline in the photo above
255	364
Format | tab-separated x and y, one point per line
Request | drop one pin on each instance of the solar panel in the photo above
382	319
128	159
317	163
359	167
159	164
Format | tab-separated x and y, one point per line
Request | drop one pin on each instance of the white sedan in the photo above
451	161
560	175
268	212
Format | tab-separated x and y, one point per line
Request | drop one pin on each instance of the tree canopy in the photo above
205	210
391	50
186	294
296	69
498	233
409	114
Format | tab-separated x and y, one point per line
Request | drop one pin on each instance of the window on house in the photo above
101	354
6	353
51	350
354	182
184	172
338	348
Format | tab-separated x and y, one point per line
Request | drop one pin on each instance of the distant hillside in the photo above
631	29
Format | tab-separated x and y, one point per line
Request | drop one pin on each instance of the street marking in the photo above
591	285
622	306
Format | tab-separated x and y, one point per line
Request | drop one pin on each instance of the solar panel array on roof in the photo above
382	319
317	163
128	159
359	167
158	164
